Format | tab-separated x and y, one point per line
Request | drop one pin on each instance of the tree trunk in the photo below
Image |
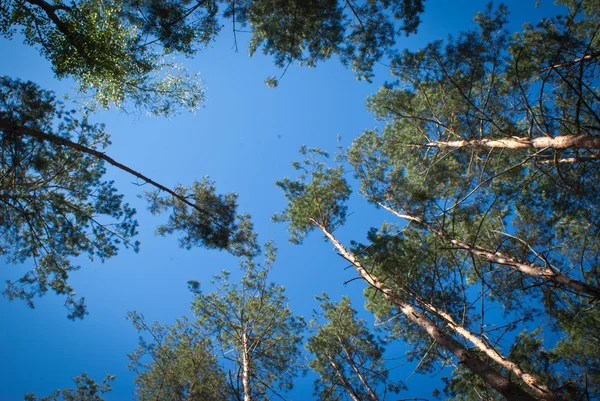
245	366
349	390
362	379
530	269
557	142
489	375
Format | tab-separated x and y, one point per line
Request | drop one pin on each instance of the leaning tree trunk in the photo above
347	386
530	269
489	375
360	376
557	142
60	141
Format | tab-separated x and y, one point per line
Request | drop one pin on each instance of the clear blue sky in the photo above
244	138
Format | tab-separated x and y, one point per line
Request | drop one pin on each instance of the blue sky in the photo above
244	138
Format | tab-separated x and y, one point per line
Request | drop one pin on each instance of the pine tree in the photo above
87	389
254	328
176	362
491	147
347	356
56	204
316	201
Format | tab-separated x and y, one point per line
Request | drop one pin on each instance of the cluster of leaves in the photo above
104	52
347	356
176	363
211	222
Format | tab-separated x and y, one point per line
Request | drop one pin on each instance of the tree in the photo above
115	49
347	356
94	43
181	366
491	146
490	150
459	110
254	328
87	389
56	204
316	201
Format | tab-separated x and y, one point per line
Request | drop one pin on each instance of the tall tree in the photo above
316	201
347	356
56	205
508	135
255	329
491	147
176	363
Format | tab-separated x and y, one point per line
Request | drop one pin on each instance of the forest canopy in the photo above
484	165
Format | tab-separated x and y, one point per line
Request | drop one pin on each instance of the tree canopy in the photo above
57	206
485	163
488	161
254	329
116	50
243	343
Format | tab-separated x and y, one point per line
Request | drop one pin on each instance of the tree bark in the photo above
349	390
530	269
508	389
362	379
245	367
557	142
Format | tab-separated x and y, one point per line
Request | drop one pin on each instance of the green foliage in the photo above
346	353
213	222
251	323
87	390
434	166
418	269
55	203
316	197
430	161
361	32
578	347
100	46
116	49
176	362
